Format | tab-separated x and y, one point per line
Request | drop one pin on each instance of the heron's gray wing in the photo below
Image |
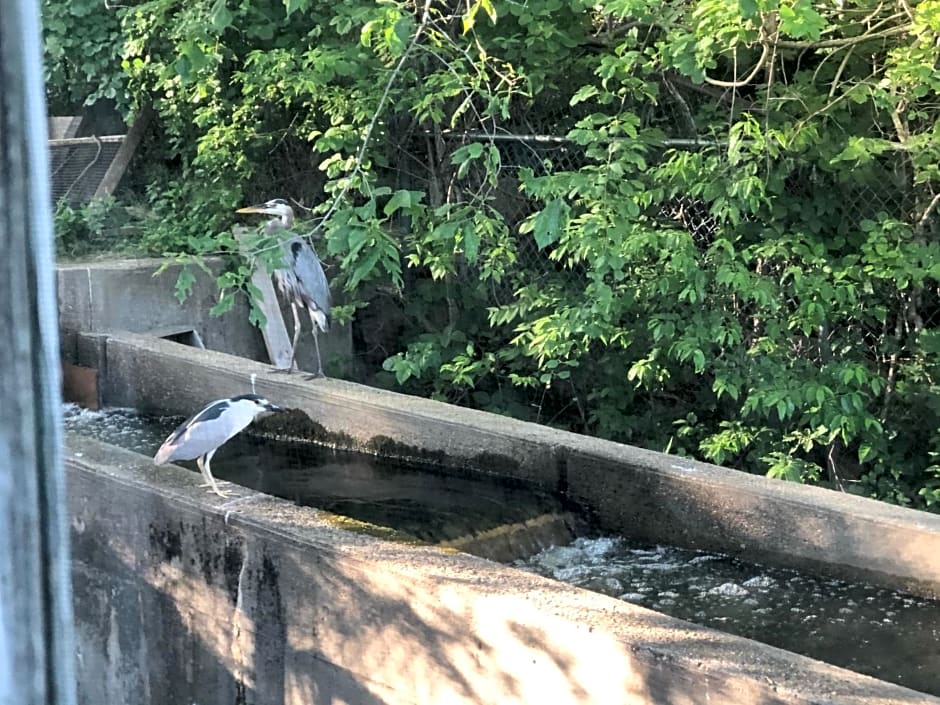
212	410
310	274
197	435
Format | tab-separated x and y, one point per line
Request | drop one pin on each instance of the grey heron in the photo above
200	436
300	278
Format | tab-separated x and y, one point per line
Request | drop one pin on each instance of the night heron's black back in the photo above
211	427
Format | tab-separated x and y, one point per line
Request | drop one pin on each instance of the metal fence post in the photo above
36	646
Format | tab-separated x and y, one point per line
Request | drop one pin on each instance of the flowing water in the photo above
882	633
889	635
413	501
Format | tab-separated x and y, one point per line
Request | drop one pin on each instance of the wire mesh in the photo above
536	138
78	166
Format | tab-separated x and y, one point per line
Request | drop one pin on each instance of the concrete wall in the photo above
175	604
635	492
97	296
183	597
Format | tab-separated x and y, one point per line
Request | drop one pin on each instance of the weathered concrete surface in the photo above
629	490
95	296
675	500
159	376
174	605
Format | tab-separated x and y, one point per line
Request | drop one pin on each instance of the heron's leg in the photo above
207	473
202	468
293	343
316	344
293	346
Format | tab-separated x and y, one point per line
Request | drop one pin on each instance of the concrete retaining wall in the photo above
184	598
97	296
631	491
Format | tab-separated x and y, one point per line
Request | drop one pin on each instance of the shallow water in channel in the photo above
889	635
414	500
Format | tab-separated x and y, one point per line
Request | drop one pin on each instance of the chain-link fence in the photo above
79	166
536	140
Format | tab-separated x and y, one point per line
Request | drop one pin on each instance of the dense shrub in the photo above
733	254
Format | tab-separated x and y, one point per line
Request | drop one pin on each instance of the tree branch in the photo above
770	43
928	211
844	41
765	52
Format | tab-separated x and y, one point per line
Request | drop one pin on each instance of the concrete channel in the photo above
184	597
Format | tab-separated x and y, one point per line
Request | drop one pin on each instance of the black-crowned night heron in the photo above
201	436
300	278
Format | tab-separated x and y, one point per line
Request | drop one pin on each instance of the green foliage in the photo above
734	256
98	227
82	45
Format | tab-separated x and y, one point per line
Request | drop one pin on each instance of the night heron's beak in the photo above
274	408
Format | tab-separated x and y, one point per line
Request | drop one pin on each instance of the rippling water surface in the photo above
423	504
885	634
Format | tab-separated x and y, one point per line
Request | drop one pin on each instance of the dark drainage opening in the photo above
186	336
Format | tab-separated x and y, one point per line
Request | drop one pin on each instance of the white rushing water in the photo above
886	634
121	427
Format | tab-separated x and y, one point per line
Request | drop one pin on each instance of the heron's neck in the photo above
282	222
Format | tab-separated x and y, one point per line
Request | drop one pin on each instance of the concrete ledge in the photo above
94	296
160	376
174	604
674	500
635	492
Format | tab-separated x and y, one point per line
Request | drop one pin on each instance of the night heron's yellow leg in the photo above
207	473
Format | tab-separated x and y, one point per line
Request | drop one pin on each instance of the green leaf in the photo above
801	20
403	199
546	227
356	240
255	315
221	17
471	244
394	39
402	30
224	305
184	283
583	94
469	17
748	8
464	156
364	268
293	6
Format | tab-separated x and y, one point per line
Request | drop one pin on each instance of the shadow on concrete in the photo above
134	643
174	605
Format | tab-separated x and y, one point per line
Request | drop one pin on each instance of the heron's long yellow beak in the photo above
252	209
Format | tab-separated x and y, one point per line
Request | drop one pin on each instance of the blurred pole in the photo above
36	647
